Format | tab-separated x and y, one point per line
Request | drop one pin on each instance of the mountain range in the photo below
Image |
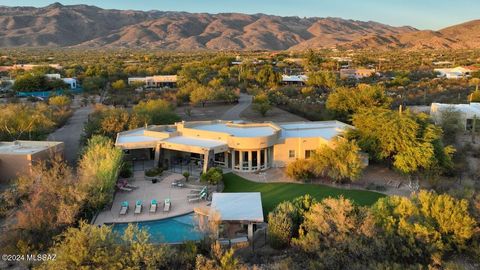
57	25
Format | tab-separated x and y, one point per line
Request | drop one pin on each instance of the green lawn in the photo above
275	193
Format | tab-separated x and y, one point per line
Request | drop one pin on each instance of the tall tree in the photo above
340	161
412	142
156	112
345	101
261	104
201	95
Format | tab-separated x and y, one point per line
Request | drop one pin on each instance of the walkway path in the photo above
234	113
70	133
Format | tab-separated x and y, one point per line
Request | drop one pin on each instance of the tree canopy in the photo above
410	141
346	101
341	161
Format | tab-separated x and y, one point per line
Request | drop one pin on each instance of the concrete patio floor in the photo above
145	192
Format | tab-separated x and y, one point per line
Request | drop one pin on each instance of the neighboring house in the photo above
294	79
18	157
28	67
32	66
442	63
157	81
468	112
456	72
240	146
358	73
72	82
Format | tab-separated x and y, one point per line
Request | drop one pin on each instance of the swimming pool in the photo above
170	230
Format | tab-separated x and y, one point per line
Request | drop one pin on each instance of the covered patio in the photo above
238	213
178	153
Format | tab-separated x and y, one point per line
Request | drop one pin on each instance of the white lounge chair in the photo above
196	199
125	189
166	207
198	191
130	186
138	207
124	208
153	206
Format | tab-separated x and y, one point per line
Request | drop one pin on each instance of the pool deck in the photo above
145	192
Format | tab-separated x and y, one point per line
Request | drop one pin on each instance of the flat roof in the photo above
241	206
238	130
136	138
26	147
324	129
192	141
470	109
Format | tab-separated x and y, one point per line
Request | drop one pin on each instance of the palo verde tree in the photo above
410	141
155	112
345	101
261	104
341	161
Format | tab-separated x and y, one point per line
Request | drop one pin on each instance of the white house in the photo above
72	82
456	72
53	76
294	79
468	112
356	73
156	81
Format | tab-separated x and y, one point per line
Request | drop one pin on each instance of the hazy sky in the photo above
422	14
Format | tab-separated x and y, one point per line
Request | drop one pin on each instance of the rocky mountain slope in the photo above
89	26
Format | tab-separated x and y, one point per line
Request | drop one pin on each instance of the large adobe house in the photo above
239	146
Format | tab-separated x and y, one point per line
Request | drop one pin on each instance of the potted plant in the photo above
186	175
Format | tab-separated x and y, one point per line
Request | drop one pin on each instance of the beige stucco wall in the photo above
13	165
240	143
299	145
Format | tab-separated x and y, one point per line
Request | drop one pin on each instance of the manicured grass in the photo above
275	193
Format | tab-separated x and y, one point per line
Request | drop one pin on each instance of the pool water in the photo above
170	230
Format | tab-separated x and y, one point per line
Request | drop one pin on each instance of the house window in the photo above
291	153
309	153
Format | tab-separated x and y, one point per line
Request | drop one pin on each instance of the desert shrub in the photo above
155	171
126	171
300	170
281	225
213	176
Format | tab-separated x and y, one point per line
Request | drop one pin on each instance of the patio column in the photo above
265	156
249	161
225	155
233	159
158	148
258	160
206	160
250	231
241	160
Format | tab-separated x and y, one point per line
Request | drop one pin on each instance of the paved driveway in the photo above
234	113
70	133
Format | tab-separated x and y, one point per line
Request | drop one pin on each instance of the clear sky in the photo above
422	14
